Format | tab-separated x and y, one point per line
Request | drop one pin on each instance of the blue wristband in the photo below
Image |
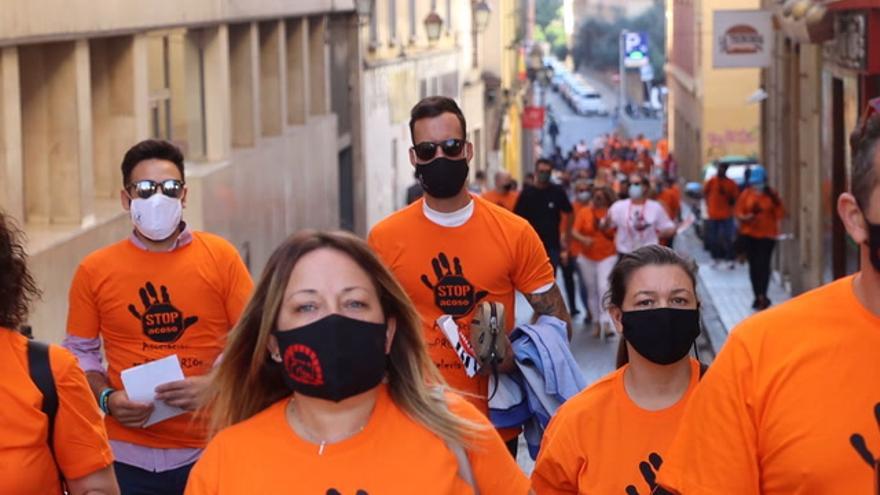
104	400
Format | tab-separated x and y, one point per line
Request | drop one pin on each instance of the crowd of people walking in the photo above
393	364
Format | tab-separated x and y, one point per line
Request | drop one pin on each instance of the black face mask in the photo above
508	187
663	335
543	177
873	242
443	177
333	358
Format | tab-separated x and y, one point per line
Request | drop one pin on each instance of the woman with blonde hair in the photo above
325	387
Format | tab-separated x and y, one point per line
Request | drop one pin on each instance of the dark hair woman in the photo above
611	437
42	452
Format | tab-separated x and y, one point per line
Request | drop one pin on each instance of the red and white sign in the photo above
533	118
742	38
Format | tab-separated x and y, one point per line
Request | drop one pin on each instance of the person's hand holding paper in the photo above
185	394
142	382
129	413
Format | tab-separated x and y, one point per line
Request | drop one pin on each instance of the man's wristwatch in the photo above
104	400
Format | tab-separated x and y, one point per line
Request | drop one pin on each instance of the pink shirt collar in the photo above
184	239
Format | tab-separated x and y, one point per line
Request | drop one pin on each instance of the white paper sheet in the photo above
141	381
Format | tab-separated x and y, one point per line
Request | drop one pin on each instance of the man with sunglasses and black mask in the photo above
453	250
165	290
792	402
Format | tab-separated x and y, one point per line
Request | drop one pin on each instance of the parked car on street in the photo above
590	104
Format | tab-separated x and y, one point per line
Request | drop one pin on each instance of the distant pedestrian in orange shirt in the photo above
721	194
597	255
663	149
504	194
791	404
613	437
326	388
38	445
759	210
581	199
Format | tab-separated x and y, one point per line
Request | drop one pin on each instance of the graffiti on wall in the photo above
732	142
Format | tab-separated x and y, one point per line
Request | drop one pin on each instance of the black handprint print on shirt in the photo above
334	491
649	472
453	294
161	321
858	442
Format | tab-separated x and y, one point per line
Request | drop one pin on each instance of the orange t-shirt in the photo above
81	445
147	305
585	223
448	270
597	440
575	247
789	395
663	149
720	196
506	201
670	198
392	455
766	221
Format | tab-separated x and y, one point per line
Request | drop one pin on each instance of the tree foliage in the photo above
595	42
547	11
554	35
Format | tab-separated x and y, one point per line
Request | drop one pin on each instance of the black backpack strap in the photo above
41	375
703	368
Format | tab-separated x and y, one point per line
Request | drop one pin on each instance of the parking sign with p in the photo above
635	48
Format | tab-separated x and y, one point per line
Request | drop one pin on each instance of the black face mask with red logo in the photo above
333	358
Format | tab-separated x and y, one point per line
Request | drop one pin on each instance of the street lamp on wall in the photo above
433	26
364	9
482	11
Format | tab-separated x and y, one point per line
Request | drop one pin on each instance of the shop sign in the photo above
742	38
533	118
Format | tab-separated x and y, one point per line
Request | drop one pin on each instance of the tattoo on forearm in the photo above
550	303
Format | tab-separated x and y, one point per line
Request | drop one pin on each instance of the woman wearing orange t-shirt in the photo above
611	438
326	388
597	256
759	211
79	450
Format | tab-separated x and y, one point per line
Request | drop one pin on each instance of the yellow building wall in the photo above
513	143
730	125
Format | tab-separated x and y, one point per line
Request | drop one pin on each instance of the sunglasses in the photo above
871	111
144	189
427	150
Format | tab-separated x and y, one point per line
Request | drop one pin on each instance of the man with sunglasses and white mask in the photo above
165	290
452	250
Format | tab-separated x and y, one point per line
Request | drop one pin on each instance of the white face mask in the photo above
636	191
156	217
583	197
